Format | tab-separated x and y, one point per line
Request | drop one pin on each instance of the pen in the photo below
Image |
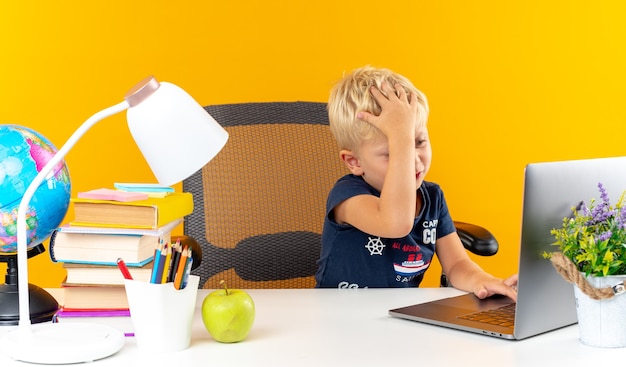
122	265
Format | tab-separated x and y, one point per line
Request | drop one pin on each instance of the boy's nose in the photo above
419	163
418	159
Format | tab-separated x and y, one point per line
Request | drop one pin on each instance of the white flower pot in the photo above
602	323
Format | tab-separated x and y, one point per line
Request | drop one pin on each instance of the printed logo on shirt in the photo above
406	247
375	246
429	235
411	266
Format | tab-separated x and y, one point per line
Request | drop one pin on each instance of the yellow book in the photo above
151	213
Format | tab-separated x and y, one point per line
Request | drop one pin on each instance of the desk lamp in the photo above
177	137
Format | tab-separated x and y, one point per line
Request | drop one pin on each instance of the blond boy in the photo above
384	222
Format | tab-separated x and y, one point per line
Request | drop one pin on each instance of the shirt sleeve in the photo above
445	225
345	188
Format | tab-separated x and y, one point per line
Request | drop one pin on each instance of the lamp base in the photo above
61	343
42	304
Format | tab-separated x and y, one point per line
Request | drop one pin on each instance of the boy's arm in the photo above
466	275
392	215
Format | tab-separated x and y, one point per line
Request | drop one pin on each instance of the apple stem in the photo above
223	283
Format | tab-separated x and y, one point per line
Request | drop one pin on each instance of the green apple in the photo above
228	314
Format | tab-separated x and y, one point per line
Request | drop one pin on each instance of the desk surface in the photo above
332	327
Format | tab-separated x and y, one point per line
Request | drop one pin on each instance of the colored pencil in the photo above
174	261
166	264
122	265
188	270
157	264
181	268
161	264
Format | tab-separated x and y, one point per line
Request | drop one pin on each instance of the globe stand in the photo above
42	305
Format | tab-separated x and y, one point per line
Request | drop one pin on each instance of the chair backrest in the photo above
259	205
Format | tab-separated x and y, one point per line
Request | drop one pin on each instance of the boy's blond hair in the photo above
352	94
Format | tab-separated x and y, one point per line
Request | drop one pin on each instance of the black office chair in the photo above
259	205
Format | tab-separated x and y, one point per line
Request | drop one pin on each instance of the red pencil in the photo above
122	265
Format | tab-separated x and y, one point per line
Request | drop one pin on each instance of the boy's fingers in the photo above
511	281
378	95
364	116
400	92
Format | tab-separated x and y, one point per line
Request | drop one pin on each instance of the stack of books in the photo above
105	229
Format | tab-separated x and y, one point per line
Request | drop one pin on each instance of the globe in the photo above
23	153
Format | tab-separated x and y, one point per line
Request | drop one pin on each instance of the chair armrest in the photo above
477	239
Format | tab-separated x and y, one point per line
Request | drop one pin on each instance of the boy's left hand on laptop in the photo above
493	286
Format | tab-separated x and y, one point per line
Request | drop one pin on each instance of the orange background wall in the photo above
508	82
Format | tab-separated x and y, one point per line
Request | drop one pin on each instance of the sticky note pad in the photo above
114	195
142	187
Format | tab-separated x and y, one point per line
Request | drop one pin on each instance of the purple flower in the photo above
621	219
603	194
585	209
602	212
604	236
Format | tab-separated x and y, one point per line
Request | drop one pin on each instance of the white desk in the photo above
331	327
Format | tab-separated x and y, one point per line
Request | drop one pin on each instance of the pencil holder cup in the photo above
162	316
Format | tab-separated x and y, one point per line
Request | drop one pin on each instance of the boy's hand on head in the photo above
399	111
388	164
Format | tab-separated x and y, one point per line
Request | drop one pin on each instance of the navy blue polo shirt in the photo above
354	259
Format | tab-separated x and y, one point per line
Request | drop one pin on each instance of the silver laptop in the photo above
545	301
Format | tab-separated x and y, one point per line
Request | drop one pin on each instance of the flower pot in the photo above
602	323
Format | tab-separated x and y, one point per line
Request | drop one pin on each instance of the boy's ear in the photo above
351	161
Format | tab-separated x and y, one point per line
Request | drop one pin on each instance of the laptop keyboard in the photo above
503	316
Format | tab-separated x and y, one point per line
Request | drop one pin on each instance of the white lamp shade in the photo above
175	134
